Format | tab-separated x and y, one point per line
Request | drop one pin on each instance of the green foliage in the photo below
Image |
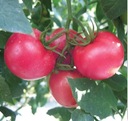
5	92
3	38
60	112
117	82
12	18
79	115
7	112
16	85
28	4
95	98
116	7
40	89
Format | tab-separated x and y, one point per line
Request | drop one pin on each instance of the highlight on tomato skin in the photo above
60	88
27	58
100	59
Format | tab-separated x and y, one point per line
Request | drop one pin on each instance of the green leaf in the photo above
56	2
33	104
96	99
3	38
117	82
12	18
123	71
60	112
79	115
5	93
47	3
81	11
7	112
81	84
37	13
99	12
100	101
114	8
41	89
77	15
122	96
15	84
120	28
57	21
28	4
1	60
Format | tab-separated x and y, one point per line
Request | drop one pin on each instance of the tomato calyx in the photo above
59	43
46	40
89	33
55	37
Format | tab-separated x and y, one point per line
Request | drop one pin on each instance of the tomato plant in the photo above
96	64
89	36
61	89
27	58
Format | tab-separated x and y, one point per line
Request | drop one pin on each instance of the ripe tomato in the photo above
27	58
37	33
60	87
101	58
61	41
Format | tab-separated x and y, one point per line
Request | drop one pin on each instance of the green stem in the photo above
83	29
69	14
64	66
55	37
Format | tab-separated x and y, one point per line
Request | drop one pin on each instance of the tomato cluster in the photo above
28	58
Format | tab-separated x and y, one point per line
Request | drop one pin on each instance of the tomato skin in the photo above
37	33
26	57
61	41
100	59
61	89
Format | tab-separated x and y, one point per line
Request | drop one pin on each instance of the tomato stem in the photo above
64	66
55	37
81	25
69	14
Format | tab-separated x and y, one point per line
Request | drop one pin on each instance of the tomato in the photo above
60	88
61	41
101	58
37	33
26	57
